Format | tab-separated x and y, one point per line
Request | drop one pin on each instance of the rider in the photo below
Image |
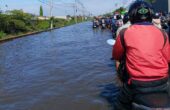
126	23
164	24
119	21
103	22
113	26
156	20
95	22
147	54
107	22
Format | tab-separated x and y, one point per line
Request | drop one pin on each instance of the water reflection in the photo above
57	70
109	92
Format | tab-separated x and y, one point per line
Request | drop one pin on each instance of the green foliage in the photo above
20	15
72	21
2	34
120	10
41	11
17	26
45	24
5	22
17	21
58	22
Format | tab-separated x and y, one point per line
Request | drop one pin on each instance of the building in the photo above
57	17
162	5
43	18
61	17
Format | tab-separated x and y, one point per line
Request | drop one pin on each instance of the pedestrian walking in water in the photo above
146	53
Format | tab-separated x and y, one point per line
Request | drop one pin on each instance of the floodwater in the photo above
65	69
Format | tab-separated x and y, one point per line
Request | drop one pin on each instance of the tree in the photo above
120	10
16	21
41	11
20	15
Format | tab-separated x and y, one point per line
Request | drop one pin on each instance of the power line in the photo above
77	6
51	7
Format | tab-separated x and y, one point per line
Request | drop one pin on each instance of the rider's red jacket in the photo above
146	55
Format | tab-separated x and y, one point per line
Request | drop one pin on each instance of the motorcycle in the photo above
95	24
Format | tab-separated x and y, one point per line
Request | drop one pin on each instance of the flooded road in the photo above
65	69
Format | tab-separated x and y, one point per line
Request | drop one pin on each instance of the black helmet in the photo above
125	18
156	16
118	17
140	11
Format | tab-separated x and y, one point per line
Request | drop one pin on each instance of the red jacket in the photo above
146	58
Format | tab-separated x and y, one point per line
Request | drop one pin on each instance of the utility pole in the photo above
82	9
83	14
75	11
51	19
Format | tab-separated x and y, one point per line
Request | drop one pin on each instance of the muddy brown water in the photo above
65	69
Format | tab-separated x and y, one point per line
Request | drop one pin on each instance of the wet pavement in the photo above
65	69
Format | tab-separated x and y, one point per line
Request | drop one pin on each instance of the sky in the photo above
64	7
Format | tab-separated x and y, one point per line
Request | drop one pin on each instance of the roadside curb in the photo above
26	34
30	33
